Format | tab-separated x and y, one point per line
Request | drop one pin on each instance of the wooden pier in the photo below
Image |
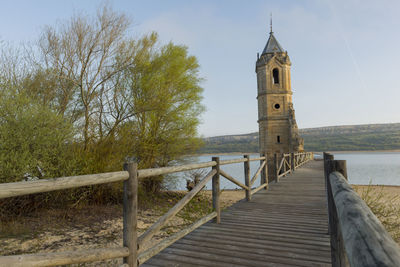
286	225
309	216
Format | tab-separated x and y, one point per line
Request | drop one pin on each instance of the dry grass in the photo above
384	201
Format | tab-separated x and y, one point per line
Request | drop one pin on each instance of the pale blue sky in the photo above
345	54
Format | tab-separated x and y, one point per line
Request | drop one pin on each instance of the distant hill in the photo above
332	138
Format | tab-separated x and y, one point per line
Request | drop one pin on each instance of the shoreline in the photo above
316	152
360	151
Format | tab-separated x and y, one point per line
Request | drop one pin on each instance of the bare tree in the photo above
81	55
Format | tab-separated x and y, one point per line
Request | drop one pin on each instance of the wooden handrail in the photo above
47	185
366	241
167	170
63	258
290	162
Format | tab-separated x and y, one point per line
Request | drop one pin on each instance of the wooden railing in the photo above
357	236
132	251
287	163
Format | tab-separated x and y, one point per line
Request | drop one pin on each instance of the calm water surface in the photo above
381	168
178	181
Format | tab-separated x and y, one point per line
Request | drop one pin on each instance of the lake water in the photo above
381	168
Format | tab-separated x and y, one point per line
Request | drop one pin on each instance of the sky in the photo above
345	54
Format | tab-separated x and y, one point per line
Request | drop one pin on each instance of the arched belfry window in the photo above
275	75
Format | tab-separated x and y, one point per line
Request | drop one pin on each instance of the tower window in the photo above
275	75
278	139
277	106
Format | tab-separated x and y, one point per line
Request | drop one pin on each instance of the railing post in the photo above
341	166
338	253
247	177
130	206
292	162
216	190
276	167
264	172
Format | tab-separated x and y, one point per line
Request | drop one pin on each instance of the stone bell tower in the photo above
278	132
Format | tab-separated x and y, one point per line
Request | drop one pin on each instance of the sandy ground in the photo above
84	230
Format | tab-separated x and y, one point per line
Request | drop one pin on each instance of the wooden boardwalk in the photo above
287	225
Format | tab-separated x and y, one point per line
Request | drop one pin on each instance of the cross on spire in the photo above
270	24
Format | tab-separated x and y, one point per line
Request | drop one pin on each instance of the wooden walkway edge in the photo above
287	225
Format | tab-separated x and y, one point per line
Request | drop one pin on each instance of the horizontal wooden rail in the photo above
366	241
231	161
167	170
233	180
144	256
256	159
47	185
146	236
63	258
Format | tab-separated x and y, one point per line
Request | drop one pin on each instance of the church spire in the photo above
272	45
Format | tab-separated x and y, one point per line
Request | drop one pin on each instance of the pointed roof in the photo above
272	45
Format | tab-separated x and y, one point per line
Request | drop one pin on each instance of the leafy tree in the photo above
32	137
106	96
165	103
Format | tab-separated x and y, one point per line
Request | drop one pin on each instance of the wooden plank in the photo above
296	237
63	258
174	210
169	259
301	217
161	262
275	217
265	223
274	241
265	248
217	258
240	257
47	185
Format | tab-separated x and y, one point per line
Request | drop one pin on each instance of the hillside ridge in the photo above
379	136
